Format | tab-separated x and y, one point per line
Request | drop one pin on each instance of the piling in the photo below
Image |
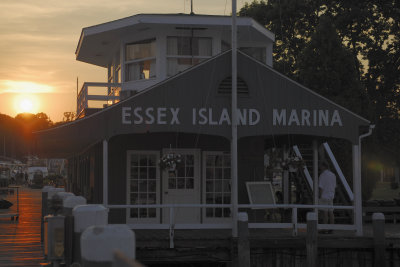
243	240
378	225
312	239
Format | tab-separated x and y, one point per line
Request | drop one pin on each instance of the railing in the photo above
108	96
294	224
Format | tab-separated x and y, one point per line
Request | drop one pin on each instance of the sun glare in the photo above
26	104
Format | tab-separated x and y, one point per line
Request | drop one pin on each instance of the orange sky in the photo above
38	39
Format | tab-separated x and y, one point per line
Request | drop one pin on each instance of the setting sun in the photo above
26	103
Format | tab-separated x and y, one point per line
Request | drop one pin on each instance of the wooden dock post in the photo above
312	239
378	225
243	240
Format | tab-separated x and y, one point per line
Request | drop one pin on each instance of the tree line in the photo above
17	134
347	51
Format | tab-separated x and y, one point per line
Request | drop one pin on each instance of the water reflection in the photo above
20	240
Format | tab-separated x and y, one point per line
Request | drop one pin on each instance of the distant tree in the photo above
327	67
69	116
292	22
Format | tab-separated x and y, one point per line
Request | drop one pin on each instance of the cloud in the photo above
20	87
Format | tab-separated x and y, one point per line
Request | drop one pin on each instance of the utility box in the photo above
54	232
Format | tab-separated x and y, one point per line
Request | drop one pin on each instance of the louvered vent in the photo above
225	87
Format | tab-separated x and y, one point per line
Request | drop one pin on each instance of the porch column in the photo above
315	175
357	190
105	172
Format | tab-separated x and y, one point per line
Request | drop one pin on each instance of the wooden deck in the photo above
20	240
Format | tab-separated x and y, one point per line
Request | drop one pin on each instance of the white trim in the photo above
174	19
129	153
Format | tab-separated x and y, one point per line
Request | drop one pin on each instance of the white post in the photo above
357	190
315	174
234	196
105	172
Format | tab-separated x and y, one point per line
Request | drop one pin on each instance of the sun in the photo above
26	104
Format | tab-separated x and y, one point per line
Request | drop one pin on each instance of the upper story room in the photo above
142	50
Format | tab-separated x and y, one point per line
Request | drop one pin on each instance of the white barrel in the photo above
98	243
73	201
52	191
88	215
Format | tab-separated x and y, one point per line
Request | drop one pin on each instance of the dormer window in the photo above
186	51
140	60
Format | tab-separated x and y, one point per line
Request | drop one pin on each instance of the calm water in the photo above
20	241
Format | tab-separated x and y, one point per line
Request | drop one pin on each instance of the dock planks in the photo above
20	240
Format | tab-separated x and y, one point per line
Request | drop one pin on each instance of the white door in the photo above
182	186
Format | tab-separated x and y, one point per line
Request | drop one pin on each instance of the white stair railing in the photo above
339	171
305	169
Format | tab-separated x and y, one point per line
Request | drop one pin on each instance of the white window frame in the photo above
128	187
204	162
127	62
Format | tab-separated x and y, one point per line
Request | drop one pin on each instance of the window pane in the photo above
134	160
189	172
218	185
134	172
209	212
152	160
209	173
134	186
189	160
143	161
143	173
140	50
143	186
152	213
152	173
143	213
189	183
172	183
141	70
209	186
189	46
181	183
152	199
134	213
152	186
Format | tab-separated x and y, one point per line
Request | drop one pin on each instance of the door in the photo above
216	186
143	186
181	185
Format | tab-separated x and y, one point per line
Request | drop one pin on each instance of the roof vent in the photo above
225	87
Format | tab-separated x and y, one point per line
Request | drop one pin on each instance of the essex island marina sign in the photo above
218	117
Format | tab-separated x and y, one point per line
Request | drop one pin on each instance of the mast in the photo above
234	169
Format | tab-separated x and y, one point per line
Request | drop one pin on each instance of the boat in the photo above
5	204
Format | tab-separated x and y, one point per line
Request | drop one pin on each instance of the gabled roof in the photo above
190	103
96	41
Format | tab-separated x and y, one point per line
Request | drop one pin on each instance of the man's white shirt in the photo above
327	182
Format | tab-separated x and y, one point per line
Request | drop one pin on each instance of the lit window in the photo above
140	60
184	52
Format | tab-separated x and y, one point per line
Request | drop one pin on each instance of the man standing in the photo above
327	185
